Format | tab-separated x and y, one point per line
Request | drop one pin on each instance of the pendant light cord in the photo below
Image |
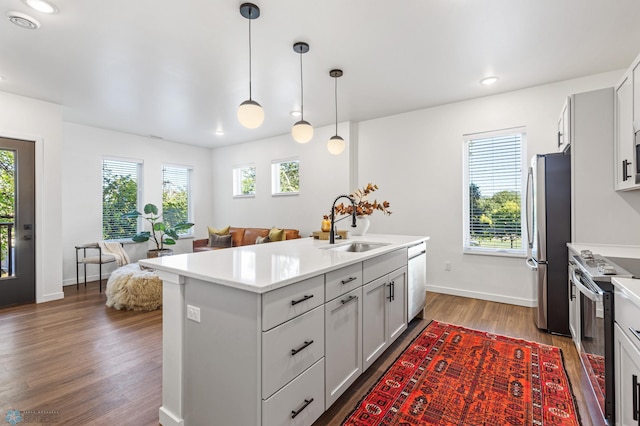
301	91
336	98
250	11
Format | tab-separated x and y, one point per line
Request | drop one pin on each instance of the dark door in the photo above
17	217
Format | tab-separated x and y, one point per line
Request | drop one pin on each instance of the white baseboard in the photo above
483	296
90	278
50	297
167	418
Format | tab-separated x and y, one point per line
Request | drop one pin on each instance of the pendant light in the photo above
336	143
250	113
302	131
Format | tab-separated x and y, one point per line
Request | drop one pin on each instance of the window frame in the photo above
237	180
190	215
139	194
275	177
467	248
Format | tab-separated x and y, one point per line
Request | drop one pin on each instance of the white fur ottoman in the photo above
130	287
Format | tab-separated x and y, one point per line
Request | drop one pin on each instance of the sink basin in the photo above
356	247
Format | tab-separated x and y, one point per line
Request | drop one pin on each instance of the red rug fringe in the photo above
452	375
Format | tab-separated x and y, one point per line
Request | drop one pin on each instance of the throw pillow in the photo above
261	240
216	240
223	231
276	234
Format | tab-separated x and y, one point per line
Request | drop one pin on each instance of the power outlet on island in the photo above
193	313
447	265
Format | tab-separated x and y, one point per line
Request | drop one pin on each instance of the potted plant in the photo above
364	207
160	232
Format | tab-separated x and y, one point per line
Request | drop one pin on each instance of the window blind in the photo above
494	178
119	196
176	193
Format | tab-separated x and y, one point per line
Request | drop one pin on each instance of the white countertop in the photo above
607	250
264	267
630	286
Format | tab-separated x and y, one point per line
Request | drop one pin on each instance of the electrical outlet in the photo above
193	313
447	266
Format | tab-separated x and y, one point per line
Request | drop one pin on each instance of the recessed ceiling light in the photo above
296	113
43	6
23	20
219	132
488	80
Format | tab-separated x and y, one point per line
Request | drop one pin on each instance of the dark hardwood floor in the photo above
92	365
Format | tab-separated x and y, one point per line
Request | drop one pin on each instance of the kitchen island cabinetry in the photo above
385	304
270	334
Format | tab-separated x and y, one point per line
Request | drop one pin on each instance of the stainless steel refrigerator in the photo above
548	207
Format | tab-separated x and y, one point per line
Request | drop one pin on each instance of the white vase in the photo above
362	225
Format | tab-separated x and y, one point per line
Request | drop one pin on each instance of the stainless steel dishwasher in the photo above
417	291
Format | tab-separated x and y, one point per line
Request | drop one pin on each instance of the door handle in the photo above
27	237
635	397
625	168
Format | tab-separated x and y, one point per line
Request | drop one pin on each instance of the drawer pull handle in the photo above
348	280
306	403
635	397
295	351
635	332
348	299
295	302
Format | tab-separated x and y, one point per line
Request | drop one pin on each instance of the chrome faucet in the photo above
332	238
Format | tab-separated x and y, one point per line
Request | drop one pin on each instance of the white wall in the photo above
323	177
30	119
84	148
416	159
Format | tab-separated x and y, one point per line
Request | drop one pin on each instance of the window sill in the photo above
284	194
245	196
495	253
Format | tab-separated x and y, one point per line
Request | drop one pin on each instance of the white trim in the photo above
236	184
275	176
529	303
53	296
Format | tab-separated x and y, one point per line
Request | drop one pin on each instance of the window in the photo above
285	177
176	196
244	181
494	170
121	193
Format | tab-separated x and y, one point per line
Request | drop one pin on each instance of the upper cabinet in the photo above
627	112
564	138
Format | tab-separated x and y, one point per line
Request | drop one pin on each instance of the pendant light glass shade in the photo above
250	112
302	131
336	145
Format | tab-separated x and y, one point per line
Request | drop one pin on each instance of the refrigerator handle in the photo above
531	264
529	208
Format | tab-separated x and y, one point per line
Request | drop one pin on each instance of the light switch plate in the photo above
193	313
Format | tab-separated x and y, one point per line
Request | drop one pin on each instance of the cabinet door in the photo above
375	298
624	136
397	306
627	378
564	138
636	96
343	343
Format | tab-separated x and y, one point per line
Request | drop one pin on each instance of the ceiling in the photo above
178	70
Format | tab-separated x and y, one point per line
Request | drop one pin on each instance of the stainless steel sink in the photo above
356	247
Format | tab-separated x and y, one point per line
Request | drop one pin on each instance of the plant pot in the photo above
158	253
362	225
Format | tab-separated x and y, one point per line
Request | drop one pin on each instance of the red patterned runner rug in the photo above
451	375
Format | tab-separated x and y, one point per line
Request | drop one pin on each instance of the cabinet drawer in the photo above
288	302
343	280
627	316
382	265
303	335
304	395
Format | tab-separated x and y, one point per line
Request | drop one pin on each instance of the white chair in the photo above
94	257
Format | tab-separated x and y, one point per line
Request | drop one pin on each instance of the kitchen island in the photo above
275	333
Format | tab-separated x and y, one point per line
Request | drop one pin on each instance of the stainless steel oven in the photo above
594	319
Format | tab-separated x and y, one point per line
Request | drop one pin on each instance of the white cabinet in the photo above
627	373
574	304
343	343
384	314
626	350
564	138
624	136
